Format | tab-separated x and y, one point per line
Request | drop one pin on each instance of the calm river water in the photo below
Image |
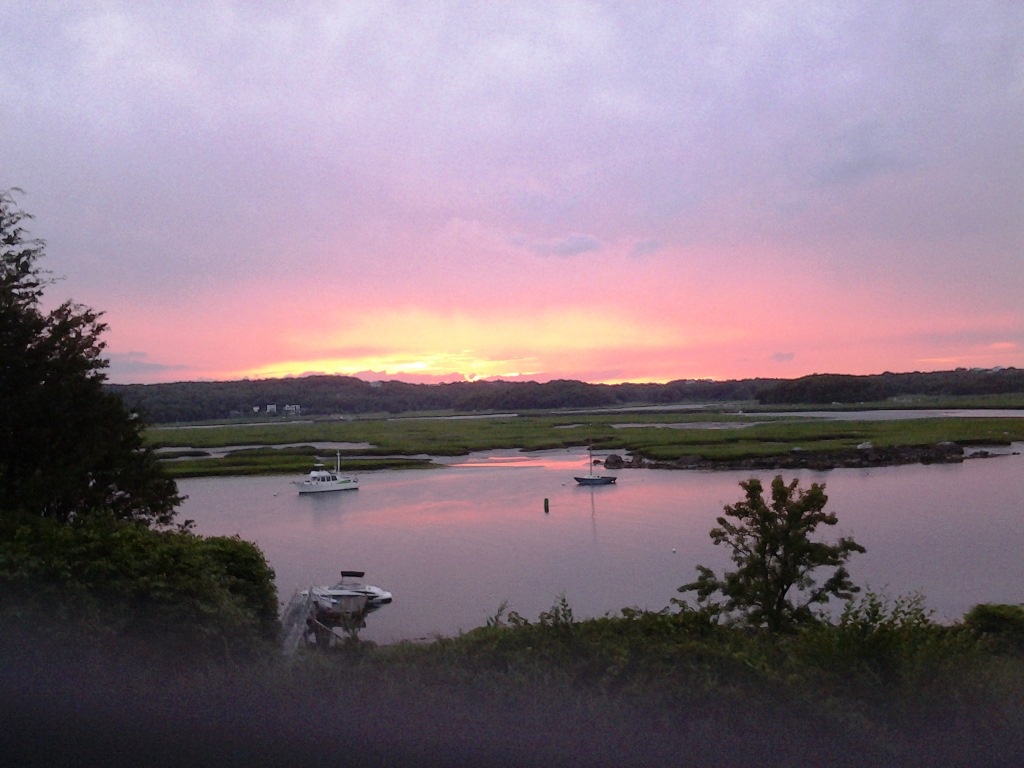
455	544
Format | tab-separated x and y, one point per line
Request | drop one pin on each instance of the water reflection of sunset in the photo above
560	459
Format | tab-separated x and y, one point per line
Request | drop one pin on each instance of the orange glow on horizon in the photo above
649	343
455	347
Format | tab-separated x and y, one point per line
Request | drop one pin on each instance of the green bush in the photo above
1001	625
168	590
881	642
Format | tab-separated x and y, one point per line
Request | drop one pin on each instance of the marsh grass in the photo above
281	461
754	436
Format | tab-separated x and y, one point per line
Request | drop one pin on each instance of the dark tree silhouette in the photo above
67	446
774	583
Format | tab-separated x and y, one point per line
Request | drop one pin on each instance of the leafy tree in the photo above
68	447
774	583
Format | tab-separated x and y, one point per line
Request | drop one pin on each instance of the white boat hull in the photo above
341	484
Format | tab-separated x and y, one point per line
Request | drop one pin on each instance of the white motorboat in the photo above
321	479
590	478
350	590
344	605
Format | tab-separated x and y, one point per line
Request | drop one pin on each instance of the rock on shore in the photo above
865	455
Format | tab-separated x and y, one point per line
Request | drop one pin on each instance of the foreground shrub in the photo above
880	641
884	685
170	590
1001	625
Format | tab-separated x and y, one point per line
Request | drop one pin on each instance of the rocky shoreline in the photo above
863	456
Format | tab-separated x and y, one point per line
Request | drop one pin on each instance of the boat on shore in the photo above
590	478
322	480
343	606
351	589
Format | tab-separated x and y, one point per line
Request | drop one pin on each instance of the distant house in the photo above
292	410
271	409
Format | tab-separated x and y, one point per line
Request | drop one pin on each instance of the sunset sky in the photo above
604	191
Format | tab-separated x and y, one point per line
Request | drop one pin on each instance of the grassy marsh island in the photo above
643	437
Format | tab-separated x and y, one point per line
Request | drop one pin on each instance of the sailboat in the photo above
590	478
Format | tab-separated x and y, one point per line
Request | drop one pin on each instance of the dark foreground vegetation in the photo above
883	686
331	395
127	640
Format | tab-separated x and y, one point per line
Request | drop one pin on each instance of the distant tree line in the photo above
323	395
823	389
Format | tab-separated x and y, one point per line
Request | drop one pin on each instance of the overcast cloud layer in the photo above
602	191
